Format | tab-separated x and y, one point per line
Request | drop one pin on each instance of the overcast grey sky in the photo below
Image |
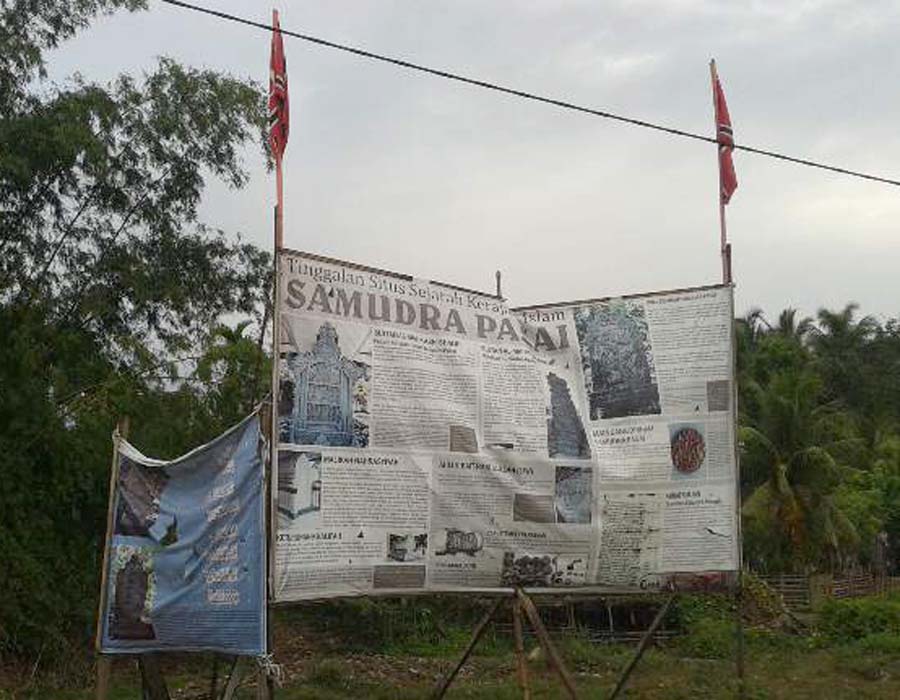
445	181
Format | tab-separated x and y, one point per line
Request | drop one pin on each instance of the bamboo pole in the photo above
549	648
444	684
521	661
642	646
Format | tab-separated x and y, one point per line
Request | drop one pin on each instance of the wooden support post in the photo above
214	680
104	670
265	684
444	684
739	634
152	681
104	663
521	661
549	648
234	679
645	640
262	685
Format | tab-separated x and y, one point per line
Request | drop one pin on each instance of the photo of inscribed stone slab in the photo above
617	359
565	432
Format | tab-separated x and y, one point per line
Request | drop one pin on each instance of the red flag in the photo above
725	136
279	117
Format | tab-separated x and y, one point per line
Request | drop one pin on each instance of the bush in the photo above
709	638
847	620
881	643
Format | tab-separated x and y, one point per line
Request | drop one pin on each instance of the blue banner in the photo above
186	557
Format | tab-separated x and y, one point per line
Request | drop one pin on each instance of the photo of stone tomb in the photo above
617	359
130	597
140	491
299	485
565	431
328	405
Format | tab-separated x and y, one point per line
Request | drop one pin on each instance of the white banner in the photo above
432	439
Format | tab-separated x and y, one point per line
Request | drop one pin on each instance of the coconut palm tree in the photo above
840	343
789	327
789	462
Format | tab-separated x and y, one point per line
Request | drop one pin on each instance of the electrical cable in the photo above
535	97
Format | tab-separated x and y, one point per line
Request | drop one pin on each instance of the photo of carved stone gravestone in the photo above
327	401
299	486
617	359
565	431
132	595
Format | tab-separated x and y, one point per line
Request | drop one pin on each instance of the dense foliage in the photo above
820	438
113	300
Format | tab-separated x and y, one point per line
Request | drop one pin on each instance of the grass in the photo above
774	671
380	652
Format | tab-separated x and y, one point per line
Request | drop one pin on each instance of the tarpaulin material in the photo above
434	439
186	558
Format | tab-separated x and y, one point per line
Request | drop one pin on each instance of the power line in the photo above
535	97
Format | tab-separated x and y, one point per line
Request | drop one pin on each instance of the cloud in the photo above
447	181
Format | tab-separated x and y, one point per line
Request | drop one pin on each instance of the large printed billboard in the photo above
433	439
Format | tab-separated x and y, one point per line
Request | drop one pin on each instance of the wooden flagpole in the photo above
265	684
279	207
724	247
728	279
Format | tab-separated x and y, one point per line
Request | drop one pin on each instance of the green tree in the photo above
840	342
112	299
789	456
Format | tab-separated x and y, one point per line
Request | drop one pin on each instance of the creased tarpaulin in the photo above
432	439
186	555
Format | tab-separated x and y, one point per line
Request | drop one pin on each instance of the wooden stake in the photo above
444	684
521	661
549	648
639	652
